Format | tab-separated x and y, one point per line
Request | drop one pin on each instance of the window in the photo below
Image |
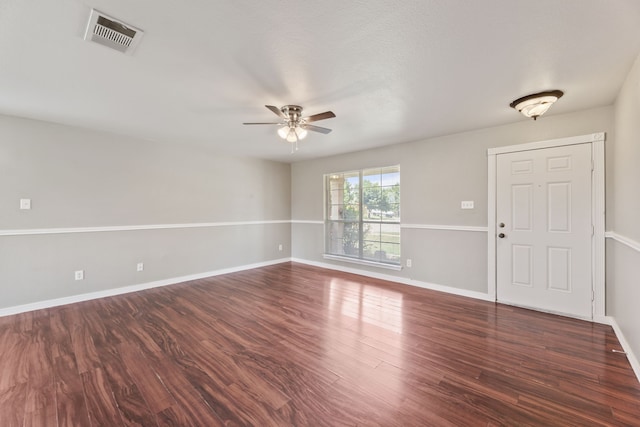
362	219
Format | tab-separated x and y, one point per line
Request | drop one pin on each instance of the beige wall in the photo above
81	178
623	212
437	174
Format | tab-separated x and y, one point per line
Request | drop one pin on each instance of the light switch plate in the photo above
25	204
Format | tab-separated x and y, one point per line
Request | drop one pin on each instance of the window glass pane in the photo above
391	193
335	212
390	176
351	239
336	196
334	181
385	199
335	246
343	238
363	209
391	252
351	195
350	212
352	182
393	214
371	250
352	177
390	233
343	188
371	232
334	239
371	196
371	176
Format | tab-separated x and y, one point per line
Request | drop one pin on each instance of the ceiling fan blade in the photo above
276	111
320	116
267	123
316	128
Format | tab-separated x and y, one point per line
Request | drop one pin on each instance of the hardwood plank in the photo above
133	407
70	401
84	349
212	391
23	322
40	396
252	381
141	370
15	369
174	416
44	417
194	408
71	408
102	408
40	405
12	405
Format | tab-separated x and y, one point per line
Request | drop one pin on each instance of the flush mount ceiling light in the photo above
294	127
536	104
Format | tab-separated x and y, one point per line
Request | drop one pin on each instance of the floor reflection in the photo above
368	304
365	340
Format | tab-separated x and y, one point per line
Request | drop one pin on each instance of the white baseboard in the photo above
174	280
405	281
133	288
633	360
604	320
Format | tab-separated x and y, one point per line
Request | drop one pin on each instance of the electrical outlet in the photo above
140	266
409	263
466	204
79	275
280	247
25	204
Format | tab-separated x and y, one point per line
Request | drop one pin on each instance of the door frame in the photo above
596	140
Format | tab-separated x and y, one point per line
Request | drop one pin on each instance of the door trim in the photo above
596	140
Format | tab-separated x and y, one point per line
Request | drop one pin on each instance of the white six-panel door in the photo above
544	229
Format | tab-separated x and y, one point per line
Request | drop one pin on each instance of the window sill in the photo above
363	262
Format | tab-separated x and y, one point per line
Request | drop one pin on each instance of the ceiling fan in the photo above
294	127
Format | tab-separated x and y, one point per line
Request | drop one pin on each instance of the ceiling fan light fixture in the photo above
536	104
302	133
292	133
292	136
283	132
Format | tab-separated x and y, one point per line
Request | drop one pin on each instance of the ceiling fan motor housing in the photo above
293	112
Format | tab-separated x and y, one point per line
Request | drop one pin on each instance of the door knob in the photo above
501	235
501	225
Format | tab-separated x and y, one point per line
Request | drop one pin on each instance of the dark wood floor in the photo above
296	345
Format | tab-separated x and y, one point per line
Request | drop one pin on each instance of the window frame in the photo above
360	221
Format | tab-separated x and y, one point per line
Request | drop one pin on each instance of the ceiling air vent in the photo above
112	33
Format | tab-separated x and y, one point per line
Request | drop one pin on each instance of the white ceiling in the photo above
392	71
